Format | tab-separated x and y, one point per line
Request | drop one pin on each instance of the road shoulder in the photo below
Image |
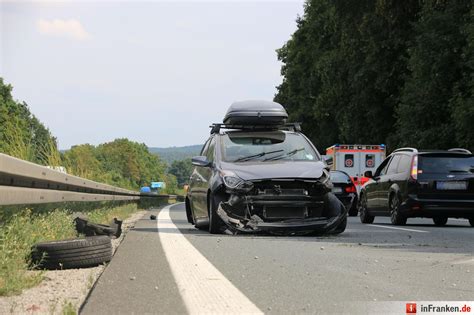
138	272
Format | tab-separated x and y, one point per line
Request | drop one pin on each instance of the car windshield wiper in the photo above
251	157
293	152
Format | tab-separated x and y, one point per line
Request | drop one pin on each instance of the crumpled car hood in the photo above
275	169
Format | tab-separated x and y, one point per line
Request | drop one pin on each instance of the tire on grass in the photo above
72	253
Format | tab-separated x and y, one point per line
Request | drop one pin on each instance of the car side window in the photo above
404	164
392	168
211	150
204	148
382	169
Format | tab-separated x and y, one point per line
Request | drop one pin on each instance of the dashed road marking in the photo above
204	289
397	228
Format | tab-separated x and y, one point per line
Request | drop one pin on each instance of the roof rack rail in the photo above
460	150
406	149
296	127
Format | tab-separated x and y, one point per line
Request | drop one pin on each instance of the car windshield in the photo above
266	146
446	164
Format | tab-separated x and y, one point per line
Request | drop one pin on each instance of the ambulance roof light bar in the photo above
358	146
406	149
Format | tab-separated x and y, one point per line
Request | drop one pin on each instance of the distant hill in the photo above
171	154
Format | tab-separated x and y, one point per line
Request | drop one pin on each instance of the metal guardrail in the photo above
23	182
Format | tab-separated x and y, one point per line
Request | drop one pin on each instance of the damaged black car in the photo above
256	173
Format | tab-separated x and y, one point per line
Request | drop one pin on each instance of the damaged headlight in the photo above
234	182
325	177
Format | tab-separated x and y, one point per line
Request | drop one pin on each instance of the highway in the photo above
168	266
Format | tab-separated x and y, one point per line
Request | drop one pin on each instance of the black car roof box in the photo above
255	113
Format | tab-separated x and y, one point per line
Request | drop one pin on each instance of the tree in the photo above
181	170
385	71
462	103
436	64
21	134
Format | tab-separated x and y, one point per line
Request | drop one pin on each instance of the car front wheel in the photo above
365	217
189	214
215	222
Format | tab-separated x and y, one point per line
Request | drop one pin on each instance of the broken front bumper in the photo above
303	215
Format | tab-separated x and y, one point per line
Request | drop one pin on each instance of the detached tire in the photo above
73	253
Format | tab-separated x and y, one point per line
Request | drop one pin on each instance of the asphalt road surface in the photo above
168	266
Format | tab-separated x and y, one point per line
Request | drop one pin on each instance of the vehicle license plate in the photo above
337	190
459	185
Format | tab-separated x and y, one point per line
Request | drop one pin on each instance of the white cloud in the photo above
63	28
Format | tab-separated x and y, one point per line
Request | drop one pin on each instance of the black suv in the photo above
257	174
411	183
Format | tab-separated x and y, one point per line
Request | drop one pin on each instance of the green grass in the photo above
69	309
104	217
26	228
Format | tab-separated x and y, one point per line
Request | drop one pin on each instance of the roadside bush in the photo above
25	228
16	238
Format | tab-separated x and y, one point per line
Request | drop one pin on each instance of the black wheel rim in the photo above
363	207
394	203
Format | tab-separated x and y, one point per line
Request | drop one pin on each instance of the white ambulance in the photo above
355	159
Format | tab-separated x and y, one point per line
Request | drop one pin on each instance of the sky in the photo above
152	71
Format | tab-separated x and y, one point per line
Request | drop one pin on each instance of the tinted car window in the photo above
382	169
204	148
339	177
392	168
266	146
404	164
210	150
446	164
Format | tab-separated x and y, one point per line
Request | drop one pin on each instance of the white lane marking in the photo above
465	261
397	228
204	289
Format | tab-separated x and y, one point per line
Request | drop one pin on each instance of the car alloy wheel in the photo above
395	216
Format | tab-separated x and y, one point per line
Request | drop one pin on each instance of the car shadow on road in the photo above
355	236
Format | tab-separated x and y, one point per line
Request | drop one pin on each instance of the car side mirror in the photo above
368	174
200	161
328	160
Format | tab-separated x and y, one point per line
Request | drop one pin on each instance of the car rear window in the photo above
446	164
339	177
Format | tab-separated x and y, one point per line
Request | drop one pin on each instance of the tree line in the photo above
122	162
383	71
21	133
